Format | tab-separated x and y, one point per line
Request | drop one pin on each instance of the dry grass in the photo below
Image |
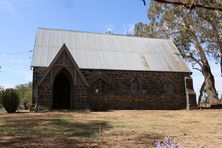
127	128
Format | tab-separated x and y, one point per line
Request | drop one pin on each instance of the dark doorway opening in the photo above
62	90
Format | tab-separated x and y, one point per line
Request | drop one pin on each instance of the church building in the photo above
99	71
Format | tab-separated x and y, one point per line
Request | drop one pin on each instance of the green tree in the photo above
192	35
1	88
25	93
191	4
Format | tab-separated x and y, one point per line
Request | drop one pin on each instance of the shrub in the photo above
10	100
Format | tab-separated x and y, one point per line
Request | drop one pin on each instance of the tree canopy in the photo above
196	33
191	4
25	93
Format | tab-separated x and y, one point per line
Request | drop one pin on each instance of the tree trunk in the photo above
202	90
212	96
216	32
219	43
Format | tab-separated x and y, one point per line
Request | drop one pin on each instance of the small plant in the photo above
10	100
166	143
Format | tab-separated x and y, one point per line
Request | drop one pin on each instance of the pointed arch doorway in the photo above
62	90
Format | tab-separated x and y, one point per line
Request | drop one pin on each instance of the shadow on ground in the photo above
49	131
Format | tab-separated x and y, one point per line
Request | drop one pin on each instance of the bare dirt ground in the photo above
127	128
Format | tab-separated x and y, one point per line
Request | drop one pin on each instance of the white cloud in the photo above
7	5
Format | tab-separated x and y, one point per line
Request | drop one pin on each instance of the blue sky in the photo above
21	18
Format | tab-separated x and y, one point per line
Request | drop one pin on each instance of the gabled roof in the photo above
108	52
63	49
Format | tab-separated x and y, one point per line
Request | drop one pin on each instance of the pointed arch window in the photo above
99	86
168	88
135	86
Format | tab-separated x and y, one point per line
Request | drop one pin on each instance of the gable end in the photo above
61	60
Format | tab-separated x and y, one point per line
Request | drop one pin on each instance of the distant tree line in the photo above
24	91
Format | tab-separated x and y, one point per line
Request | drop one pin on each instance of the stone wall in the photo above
110	89
153	92
43	94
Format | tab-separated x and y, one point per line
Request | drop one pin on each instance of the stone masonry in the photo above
113	89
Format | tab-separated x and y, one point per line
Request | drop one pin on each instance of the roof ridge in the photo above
100	33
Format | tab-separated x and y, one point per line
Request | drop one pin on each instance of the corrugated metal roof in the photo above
106	51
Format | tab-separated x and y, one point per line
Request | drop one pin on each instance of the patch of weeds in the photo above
132	126
7	129
88	130
79	129
119	125
126	126
60	122
22	129
44	130
119	133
